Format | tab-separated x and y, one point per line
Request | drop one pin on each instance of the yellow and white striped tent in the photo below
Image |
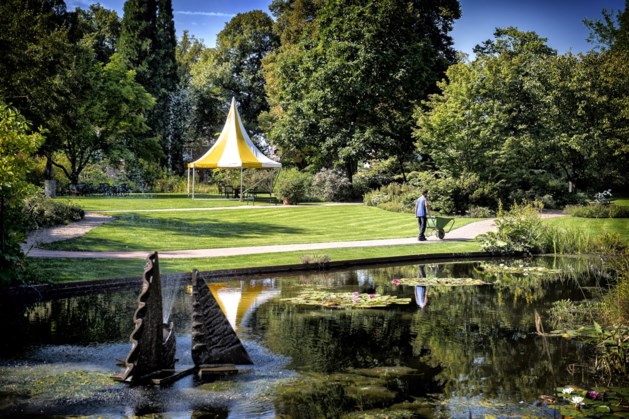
233	150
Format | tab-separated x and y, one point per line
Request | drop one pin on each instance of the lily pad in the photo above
520	269
345	299
450	282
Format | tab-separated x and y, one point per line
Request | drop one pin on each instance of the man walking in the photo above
421	212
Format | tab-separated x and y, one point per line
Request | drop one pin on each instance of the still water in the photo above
453	351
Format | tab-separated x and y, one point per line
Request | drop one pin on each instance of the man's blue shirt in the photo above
421	207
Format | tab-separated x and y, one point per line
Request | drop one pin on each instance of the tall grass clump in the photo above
558	240
615	304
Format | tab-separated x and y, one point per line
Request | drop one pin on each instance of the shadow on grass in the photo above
135	232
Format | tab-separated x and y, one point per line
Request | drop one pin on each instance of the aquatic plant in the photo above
572	401
519	269
345	299
451	282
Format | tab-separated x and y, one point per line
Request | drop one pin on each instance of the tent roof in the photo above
234	148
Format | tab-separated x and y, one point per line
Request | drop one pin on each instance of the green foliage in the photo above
393	197
528	121
375	175
598	211
480	212
343	86
518	230
453	195
292	186
566	314
39	211
240	48
17	145
331	185
614	309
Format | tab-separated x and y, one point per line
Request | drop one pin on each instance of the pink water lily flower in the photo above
372	295
355	293
396	282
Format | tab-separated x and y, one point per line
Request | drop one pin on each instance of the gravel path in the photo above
92	220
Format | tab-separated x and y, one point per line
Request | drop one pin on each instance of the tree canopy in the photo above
343	86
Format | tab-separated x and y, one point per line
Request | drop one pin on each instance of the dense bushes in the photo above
447	195
40	212
330	185
292	186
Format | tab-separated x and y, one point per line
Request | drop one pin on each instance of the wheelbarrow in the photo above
439	225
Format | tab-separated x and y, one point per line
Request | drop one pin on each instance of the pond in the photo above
460	347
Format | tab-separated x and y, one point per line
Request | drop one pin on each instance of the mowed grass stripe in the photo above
236	228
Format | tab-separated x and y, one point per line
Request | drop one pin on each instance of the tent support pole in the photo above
241	184
188	181
193	183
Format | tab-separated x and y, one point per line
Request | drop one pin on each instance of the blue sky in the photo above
560	21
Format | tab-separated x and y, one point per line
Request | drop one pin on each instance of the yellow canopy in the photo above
234	149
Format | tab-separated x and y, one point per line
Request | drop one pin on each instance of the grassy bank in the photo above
63	270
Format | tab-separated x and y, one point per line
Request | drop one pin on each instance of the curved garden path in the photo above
92	220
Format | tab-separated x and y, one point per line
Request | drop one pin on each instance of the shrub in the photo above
393	197
292	186
376	174
518	230
480	212
449	195
598	210
39	212
330	185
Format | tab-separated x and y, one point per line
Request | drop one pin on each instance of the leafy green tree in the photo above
241	46
18	144
346	90
486	119
35	50
99	27
109	114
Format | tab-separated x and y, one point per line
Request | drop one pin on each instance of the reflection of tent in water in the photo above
421	296
239	302
233	150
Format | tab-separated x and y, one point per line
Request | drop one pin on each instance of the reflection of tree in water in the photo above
488	348
85	319
327	340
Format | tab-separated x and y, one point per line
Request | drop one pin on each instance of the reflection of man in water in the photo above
421	297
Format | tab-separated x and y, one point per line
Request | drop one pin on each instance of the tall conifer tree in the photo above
138	38
147	42
166	72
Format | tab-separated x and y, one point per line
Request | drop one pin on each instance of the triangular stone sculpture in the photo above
153	343
213	339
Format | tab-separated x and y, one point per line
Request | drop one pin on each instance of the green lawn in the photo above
135	202
63	270
180	230
594	225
